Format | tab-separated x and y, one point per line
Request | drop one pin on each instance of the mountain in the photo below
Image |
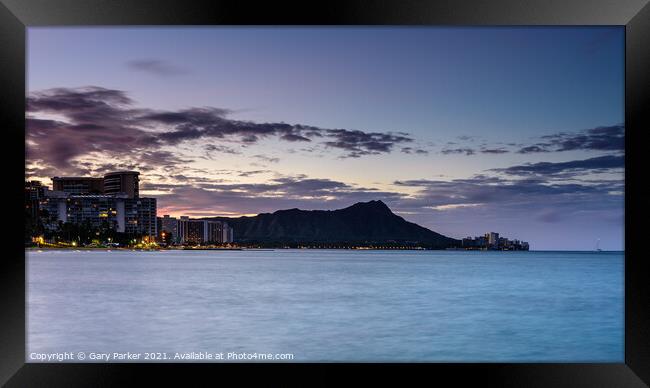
364	223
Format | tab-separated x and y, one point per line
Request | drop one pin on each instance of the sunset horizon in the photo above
460	130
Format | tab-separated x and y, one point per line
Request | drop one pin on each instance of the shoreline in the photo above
27	249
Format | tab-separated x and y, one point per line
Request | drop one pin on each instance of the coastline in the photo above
27	249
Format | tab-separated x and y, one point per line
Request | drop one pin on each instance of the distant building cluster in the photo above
492	241
108	206
192	231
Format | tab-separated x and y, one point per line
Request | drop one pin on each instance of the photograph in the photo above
325	194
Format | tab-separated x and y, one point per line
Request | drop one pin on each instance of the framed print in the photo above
392	188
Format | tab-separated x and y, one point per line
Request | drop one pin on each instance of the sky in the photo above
516	130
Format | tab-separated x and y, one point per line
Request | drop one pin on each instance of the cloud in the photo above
254	172
605	163
294	137
494	151
466	151
411	150
213	148
267	159
360	143
551	216
484	200
453	206
606	138
532	149
253	198
603	138
480	199
93	119
156	67
82	131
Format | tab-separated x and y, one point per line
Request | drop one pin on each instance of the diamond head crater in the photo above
365	224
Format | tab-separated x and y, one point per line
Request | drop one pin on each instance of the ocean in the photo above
324	306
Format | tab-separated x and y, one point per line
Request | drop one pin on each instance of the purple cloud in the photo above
156	67
96	119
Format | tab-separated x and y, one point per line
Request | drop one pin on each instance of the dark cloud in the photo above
198	123
254	172
604	138
156	67
411	150
532	149
159	158
196	116
493	198
494	151
79	100
450	151
607	138
95	119
294	137
360	143
213	148
598	164
310	187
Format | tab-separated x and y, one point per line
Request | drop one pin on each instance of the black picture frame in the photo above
17	15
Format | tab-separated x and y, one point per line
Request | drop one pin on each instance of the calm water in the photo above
334	305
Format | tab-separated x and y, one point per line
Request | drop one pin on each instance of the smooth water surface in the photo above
331	305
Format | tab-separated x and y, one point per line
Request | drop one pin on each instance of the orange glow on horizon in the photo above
177	213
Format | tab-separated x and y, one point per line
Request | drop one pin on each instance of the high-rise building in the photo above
229	235
218	232
53	207
119	182
213	231
34	192
75	200
169	225
140	216
78	185
190	231
134	216
203	231
127	182
183	229
96	211
114	203
493	239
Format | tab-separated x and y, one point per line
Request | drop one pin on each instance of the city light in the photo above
91	207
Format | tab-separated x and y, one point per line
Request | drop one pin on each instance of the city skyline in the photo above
460	130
